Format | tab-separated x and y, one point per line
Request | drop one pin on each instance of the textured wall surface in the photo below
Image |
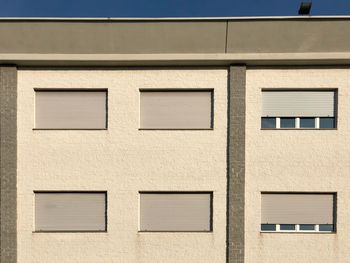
8	163
122	160
297	160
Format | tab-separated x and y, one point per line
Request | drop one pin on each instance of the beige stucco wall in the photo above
122	160
297	160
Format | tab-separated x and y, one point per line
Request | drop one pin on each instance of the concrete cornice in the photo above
175	42
251	59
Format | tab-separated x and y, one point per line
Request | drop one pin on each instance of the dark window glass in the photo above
268	227
327	227
327	123
287	122
268	122
307	122
307	227
287	227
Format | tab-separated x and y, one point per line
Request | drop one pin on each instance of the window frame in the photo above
297	118
297	226
298	230
297	124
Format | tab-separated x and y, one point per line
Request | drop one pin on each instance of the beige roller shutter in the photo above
298	103
70	109
176	109
70	211
297	208
175	212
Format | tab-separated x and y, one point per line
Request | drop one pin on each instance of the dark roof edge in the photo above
92	19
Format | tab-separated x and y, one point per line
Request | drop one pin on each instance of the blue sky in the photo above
166	8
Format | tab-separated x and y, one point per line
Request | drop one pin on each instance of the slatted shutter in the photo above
176	109
175	211
70	109
297	208
298	103
70	211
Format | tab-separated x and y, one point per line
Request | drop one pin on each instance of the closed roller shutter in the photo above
175	212
70	109
176	109
70	211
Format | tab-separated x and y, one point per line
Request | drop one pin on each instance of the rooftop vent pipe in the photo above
305	8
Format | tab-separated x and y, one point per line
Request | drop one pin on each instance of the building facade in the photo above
175	140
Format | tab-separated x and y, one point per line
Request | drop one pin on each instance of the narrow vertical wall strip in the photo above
236	163
226	36
8	163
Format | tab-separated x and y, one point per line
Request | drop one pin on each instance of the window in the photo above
175	109
268	227
287	227
326	227
287	122
70	211
268	123
294	212
70	109
298	109
175	211
307	227
327	123
307	122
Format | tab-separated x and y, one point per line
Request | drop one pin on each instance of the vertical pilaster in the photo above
236	163
8	164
